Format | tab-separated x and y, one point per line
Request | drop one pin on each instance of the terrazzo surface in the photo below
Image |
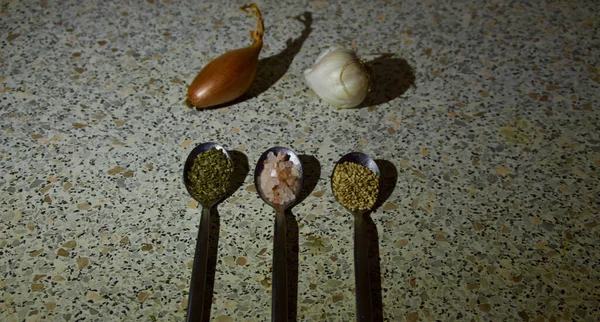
496	149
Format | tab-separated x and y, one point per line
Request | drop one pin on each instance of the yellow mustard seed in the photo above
355	186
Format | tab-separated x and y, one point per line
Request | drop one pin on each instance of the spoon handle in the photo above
196	297
364	306
279	308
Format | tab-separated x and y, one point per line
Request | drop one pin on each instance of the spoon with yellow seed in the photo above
355	182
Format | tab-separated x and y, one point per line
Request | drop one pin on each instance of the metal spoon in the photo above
364	302
196	297
279	307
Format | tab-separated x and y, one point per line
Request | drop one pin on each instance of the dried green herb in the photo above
355	186
210	174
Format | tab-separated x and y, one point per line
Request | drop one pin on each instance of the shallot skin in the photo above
225	78
230	75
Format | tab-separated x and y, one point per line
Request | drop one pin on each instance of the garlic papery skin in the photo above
339	78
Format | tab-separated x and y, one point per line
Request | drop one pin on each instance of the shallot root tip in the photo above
253	10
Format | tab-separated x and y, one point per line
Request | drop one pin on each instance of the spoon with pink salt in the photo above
278	178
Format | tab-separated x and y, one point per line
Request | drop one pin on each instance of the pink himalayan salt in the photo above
279	179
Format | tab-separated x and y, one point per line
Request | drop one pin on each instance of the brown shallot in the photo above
230	75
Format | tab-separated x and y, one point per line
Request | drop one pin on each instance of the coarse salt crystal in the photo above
279	178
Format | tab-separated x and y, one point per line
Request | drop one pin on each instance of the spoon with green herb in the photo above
207	177
355	183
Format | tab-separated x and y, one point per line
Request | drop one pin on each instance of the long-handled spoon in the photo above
279	307
196	297
364	302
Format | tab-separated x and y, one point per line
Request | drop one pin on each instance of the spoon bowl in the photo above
364	302
197	297
279	304
364	160
188	167
260	166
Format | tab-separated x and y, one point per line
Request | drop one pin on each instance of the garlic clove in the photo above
339	78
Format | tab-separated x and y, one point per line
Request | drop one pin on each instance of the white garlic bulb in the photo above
339	78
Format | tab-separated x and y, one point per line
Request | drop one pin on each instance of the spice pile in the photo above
279	178
210	174
355	186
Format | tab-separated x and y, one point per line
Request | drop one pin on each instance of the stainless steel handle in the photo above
196	297
364	302
279	307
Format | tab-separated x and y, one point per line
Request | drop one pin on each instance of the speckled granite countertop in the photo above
494	217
